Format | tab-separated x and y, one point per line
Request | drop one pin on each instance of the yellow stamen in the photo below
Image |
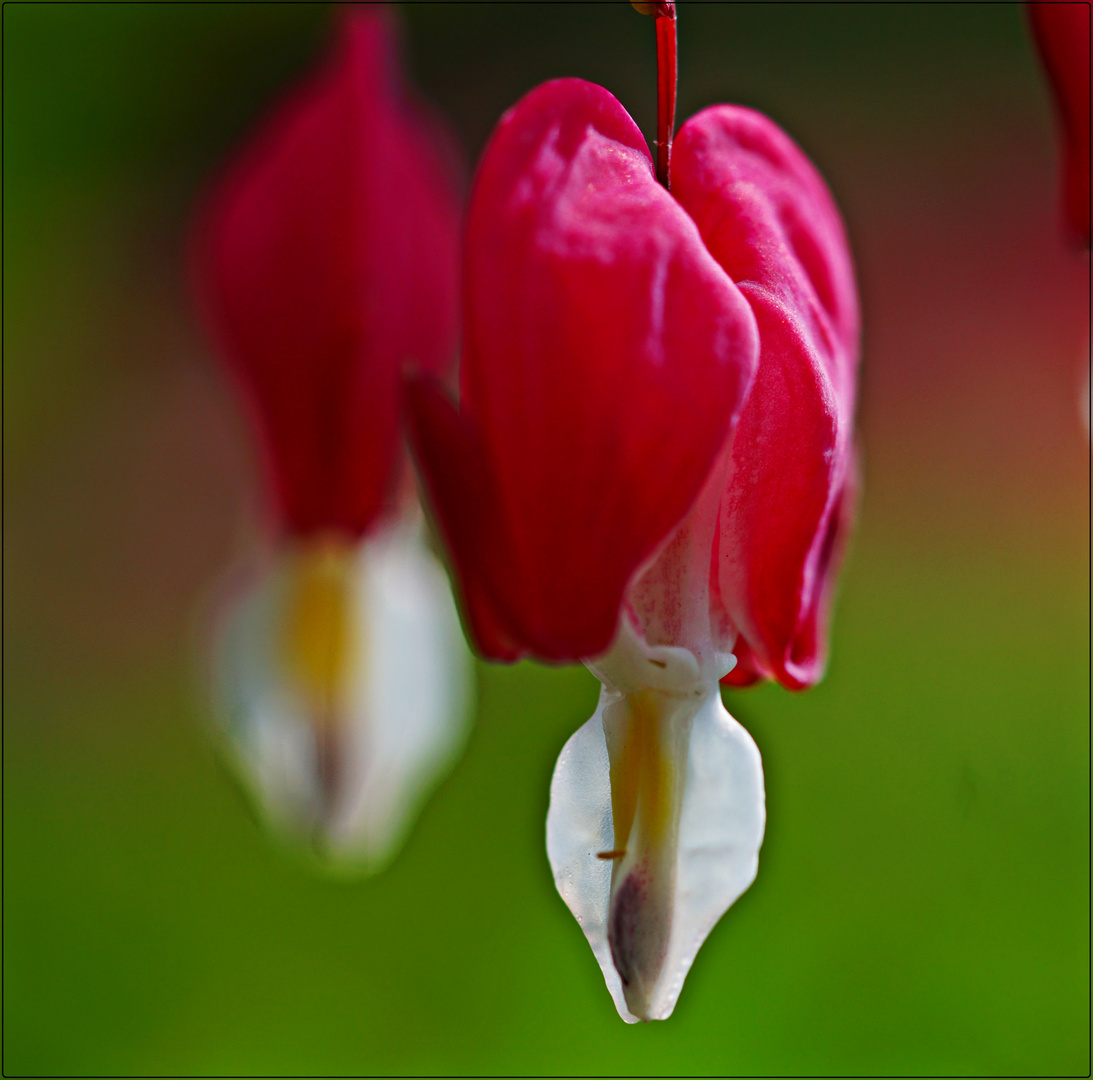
642	774
318	629
646	732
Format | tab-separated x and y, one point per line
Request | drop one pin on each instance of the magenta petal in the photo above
769	220
456	493
326	260
1062	34
606	356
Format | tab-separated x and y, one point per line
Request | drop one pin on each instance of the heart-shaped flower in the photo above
325	262
649	469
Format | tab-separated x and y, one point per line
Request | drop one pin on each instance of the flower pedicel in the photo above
650	470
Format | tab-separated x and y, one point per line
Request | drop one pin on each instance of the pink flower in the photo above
650	469
325	263
613	335
1062	34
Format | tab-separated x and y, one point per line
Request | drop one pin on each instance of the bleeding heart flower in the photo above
1062	34
649	469
326	262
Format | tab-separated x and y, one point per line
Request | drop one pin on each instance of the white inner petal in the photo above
399	714
716	849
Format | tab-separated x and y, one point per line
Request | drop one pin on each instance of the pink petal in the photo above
767	217
606	356
326	260
1062	33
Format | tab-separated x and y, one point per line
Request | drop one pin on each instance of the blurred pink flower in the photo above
325	262
1062	32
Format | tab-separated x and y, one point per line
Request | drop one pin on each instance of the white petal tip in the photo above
340	785
721	823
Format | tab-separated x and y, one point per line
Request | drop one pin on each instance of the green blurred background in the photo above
922	904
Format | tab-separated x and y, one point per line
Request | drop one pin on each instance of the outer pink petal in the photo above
457	482
1062	33
326	260
606	356
768	219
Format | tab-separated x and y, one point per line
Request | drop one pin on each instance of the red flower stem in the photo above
666	88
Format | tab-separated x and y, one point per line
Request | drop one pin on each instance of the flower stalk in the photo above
667	78
664	14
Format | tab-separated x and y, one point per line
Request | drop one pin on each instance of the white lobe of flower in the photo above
342	686
657	807
656	817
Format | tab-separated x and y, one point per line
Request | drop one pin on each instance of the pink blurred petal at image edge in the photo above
325	260
1062	33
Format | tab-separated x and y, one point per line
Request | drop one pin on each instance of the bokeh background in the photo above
922	904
